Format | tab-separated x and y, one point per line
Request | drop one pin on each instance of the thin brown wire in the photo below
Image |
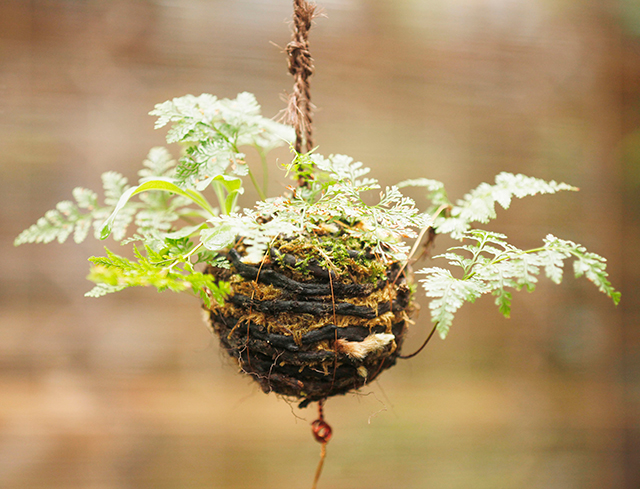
411	355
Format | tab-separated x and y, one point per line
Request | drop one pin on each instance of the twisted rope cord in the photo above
299	107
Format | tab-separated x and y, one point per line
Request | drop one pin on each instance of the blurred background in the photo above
131	391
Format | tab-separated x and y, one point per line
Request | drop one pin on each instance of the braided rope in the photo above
299	107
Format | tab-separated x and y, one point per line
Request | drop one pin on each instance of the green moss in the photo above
347	257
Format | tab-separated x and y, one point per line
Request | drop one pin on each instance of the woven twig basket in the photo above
309	331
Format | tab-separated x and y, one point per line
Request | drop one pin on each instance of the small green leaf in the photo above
219	237
233	186
103	289
164	272
503	301
185	231
164	184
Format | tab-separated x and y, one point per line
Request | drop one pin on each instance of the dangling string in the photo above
322	433
299	111
299	108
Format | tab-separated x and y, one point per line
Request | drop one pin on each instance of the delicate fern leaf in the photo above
101	260
207	288
187	108
341	168
435	190
48	228
114	184
245	104
103	289
82	228
503	301
77	218
553	261
208	160
591	265
250	128
448	295
159	163
479	204
63	221
214	129
213	259
86	199
270	135
112	261
155	220
159	211
331	200
456	259
157	270
494	266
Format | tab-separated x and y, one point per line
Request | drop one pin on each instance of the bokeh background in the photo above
131	391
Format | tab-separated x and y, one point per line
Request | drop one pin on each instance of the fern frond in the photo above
494	265
592	266
158	163
479	205
435	190
448	294
103	289
114	273
114	185
333	198
213	130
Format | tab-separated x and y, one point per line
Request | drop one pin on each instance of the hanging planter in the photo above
316	317
319	314
309	291
318	299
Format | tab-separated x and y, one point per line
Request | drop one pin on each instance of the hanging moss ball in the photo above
316	317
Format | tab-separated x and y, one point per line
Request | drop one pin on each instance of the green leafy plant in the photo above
180	229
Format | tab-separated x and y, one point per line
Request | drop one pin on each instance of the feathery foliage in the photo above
479	205
213	130
332	201
162	271
179	228
171	213
490	265
78	217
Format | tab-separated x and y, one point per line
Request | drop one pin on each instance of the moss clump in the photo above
344	256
